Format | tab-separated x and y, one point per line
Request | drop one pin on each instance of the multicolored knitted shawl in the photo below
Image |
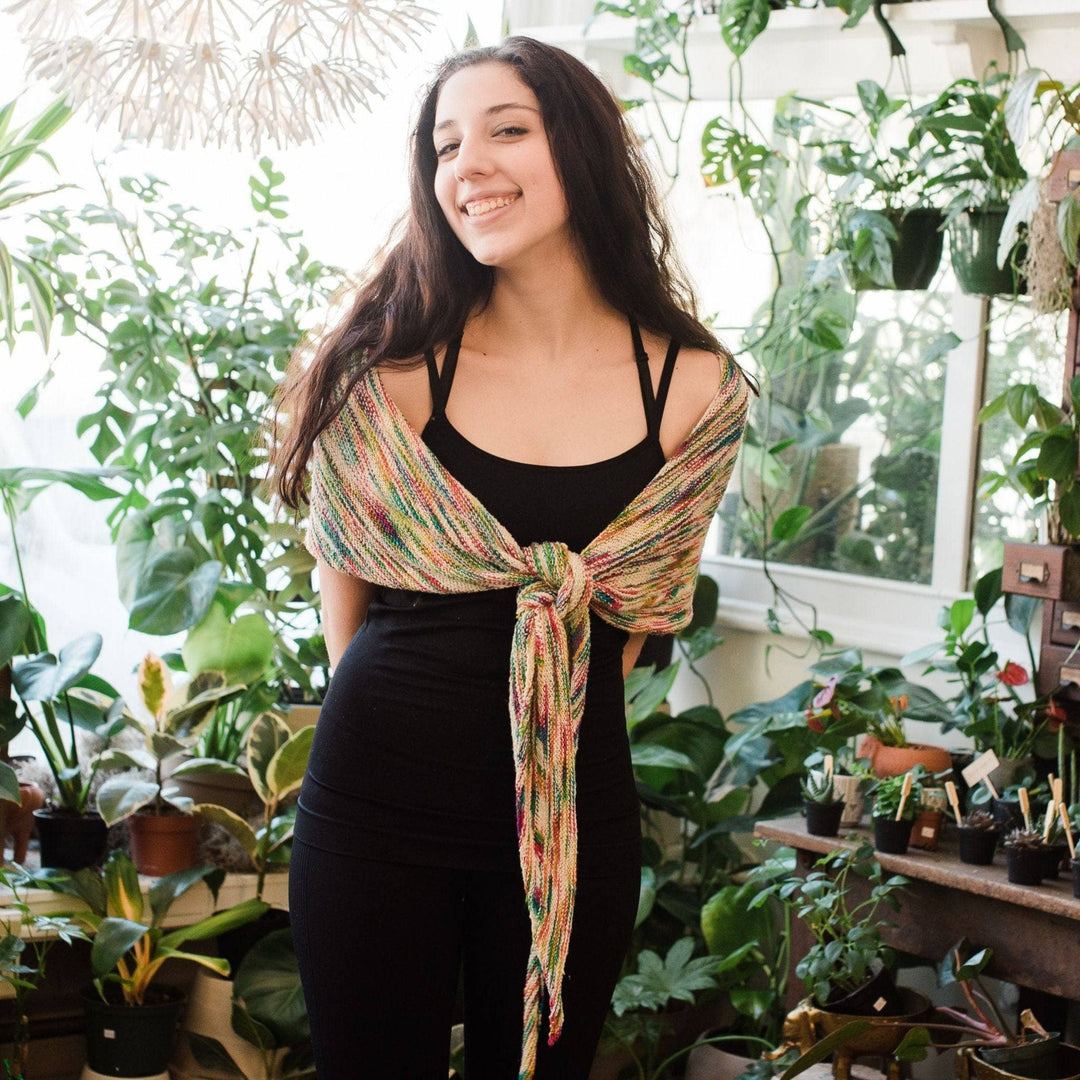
384	509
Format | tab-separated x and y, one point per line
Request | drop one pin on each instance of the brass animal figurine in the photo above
806	1025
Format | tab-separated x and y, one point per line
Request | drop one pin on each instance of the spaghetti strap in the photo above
665	380
440	384
645	378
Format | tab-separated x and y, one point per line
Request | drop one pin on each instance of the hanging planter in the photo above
916	251
974	237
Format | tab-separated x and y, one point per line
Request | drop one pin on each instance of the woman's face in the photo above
495	179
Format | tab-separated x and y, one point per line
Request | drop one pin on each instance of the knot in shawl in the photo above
384	509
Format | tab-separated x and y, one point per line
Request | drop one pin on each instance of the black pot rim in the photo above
167	996
60	813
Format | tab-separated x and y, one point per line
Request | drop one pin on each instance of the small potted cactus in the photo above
823	808
1025	856
978	835
896	806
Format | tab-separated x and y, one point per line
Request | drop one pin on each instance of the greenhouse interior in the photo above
354	730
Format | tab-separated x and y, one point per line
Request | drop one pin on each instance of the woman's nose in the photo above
472	158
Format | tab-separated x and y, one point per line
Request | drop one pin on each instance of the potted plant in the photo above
238	650
896	806
130	1018
979	170
24	948
978	837
847	969
823	809
886	746
884	217
261	1029
1025	856
164	832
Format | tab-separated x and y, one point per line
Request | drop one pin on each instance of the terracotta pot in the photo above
18	821
163	845
886	761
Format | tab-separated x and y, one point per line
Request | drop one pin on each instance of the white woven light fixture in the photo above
218	71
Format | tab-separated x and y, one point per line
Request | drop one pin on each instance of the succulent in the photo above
982	820
1024	838
817	787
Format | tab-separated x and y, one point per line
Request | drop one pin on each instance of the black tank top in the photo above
412	759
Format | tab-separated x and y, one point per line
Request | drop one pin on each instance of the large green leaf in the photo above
213	925
268	983
286	770
166	890
123	895
210	1054
741	21
113	939
242	648
174	592
14	625
44	677
9	784
232	823
266	736
121	796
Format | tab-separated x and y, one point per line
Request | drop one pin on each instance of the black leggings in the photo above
380	946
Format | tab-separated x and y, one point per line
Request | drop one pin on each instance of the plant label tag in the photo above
108	1033
981	768
880	1004
927	831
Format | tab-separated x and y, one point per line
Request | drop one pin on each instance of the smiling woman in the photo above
525	533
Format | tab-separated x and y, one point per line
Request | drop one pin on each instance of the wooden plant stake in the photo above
1067	826
828	766
1025	808
1051	813
905	791
954	799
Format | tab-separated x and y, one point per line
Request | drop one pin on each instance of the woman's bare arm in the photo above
631	651
345	602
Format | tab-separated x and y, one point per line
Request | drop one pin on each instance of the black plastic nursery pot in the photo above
70	841
823	819
1025	865
916	251
1076	878
1053	855
977	845
1007	813
891	837
878	996
975	235
131	1040
1036	1060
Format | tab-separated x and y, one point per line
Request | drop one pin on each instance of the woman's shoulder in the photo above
405	382
695	381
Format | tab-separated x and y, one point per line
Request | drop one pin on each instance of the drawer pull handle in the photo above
1070	675
1070	620
1037	573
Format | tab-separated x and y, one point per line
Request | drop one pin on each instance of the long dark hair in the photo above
426	284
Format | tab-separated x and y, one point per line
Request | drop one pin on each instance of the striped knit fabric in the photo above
384	509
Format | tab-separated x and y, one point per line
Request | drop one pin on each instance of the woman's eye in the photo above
446	148
512	131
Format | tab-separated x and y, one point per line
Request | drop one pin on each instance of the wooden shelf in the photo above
1032	930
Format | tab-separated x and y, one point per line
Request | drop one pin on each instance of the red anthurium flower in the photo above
814	722
825	694
1055	716
1013	675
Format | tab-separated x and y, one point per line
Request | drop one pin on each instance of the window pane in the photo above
1022	348
865	463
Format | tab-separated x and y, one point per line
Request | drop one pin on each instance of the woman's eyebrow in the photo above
489	112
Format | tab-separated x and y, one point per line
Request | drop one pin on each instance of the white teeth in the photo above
475	209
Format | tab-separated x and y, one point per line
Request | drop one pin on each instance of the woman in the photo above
526	530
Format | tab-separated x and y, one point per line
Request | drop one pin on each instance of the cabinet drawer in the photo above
1059	672
1049	571
1061	623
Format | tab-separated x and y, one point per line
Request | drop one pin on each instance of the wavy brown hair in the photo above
425	285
